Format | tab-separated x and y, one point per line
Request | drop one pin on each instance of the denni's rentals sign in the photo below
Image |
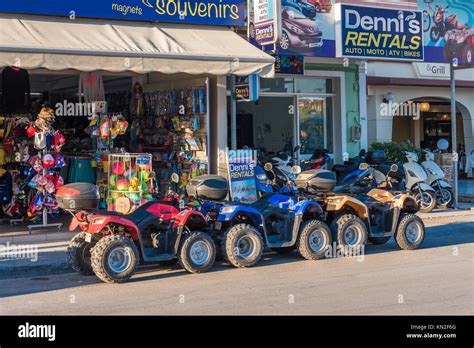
378	33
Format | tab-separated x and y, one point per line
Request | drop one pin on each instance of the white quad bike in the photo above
415	183
443	191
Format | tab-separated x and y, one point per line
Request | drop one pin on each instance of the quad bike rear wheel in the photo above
242	246
350	233
114	259
314	239
410	232
197	253
79	254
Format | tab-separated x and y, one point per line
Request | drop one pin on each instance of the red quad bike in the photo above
111	245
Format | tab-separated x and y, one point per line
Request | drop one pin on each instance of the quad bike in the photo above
111	245
375	216
441	24
277	221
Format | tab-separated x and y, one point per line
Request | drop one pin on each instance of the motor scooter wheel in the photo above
242	246
79	254
426	201
444	198
314	239
350	232
197	252
114	259
410	232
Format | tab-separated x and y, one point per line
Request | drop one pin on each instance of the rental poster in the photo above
379	33
448	29
240	164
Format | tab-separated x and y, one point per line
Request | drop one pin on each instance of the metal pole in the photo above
454	136
233	114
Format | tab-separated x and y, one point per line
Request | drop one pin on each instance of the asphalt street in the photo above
436	279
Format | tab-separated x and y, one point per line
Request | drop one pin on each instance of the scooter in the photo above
111	245
318	160
436	176
415	183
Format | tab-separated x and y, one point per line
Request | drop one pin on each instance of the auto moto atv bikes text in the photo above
111	245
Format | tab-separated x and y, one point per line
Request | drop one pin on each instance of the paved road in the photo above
437	279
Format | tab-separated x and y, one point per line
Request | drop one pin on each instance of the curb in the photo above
37	238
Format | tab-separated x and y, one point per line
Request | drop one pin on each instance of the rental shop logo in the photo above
369	32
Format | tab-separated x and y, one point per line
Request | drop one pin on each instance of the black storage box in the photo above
78	196
375	157
208	187
316	181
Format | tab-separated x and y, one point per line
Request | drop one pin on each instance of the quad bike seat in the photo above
381	195
136	216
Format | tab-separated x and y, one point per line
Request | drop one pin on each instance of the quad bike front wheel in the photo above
114	259
410	232
426	201
314	239
350	232
197	253
242	246
79	254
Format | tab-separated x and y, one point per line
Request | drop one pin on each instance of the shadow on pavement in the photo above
55	277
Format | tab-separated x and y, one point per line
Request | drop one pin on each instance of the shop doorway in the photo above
312	125
267	125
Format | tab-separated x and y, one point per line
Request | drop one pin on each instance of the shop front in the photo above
132	102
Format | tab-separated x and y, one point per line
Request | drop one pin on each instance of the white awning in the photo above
87	45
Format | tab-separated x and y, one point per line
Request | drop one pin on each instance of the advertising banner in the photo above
448	27
289	65
379	33
246	88
240	164
264	26
306	28
209	12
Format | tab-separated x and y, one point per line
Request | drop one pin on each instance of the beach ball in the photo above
144	175
129	173
117	168
123	184
135	198
113	180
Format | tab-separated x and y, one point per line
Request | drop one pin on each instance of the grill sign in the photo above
379	33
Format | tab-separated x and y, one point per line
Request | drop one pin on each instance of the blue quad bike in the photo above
277	221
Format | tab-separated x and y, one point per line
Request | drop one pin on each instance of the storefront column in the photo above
379	127
218	131
363	104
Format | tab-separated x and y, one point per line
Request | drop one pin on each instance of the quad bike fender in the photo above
242	210
189	215
336	203
304	206
97	223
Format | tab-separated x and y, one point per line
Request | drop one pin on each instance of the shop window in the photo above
277	85
310	85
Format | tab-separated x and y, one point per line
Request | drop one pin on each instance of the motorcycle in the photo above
415	182
436	176
442	24
318	160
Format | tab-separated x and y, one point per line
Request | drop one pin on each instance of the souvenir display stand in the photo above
44	223
131	181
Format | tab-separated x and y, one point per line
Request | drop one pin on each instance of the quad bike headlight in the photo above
336	200
229	209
